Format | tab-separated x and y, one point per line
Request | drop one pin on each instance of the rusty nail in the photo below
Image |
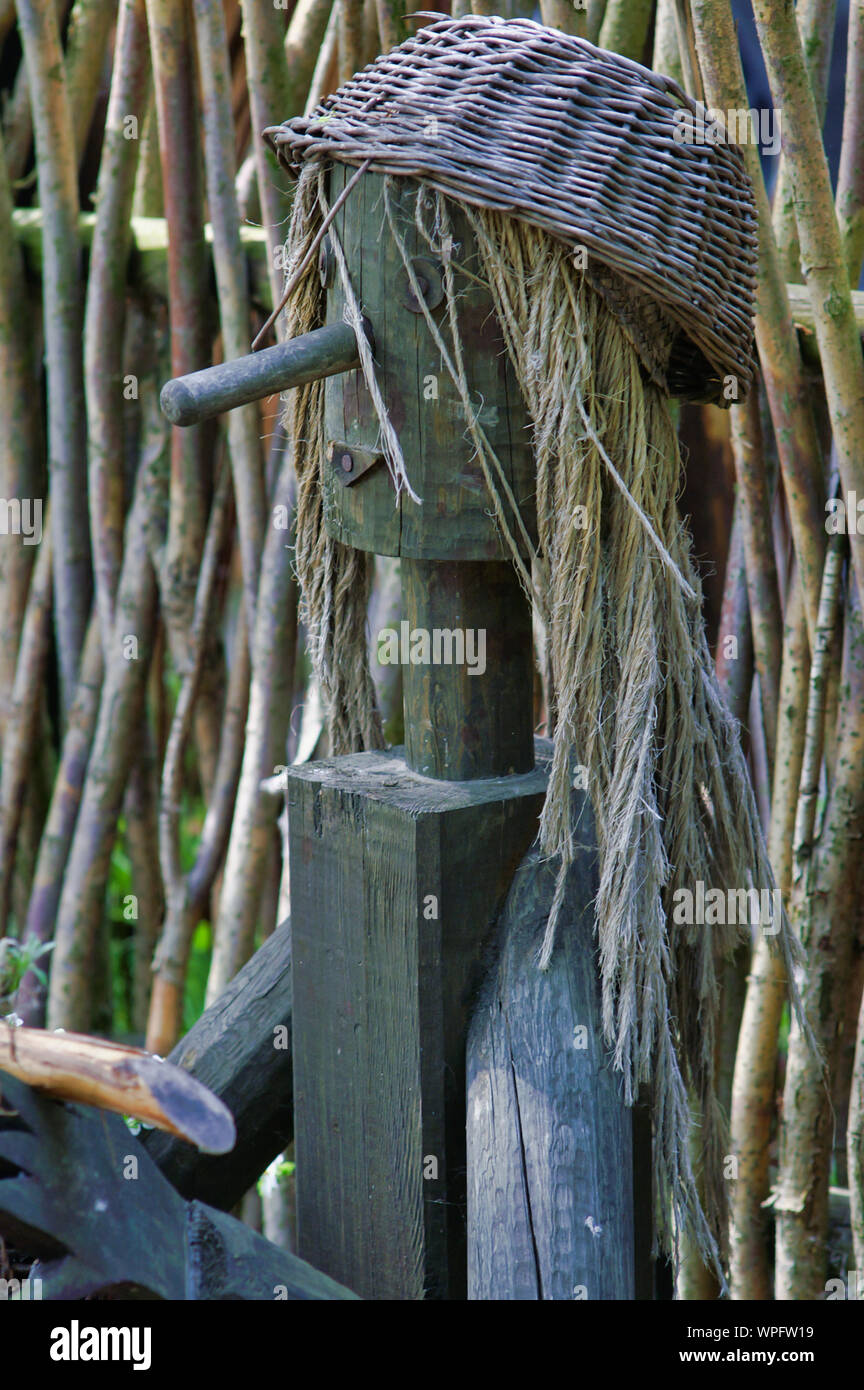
347	462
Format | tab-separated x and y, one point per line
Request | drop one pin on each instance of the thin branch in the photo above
850	177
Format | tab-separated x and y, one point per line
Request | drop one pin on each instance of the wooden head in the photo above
453	522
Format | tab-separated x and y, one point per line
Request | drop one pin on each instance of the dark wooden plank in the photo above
331	1062
395	883
550	1157
228	1260
240	1048
77	1190
85	1187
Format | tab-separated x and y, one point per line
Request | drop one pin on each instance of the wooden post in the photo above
396	881
465	721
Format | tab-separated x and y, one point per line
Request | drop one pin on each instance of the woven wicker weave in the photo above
511	115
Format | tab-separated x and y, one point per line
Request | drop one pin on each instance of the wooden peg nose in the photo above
186	400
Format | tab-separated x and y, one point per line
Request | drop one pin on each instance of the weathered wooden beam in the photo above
552	1170
148	259
396	881
148	268
78	1191
240	1048
455	521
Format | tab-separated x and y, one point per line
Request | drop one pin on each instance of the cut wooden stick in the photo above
127	1080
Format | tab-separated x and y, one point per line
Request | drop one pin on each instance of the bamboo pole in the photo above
148	182
392	24
105	317
753	1101
766	618
325	73
815	19
20	445
625	27
799	454
563	15
120	707
267	72
596	15
90	26
734	661
350	38
23	718
850	215
174	67
785	384
850	176
166	1005
165	1015
273	654
826	867
821	251
62	813
242	425
667	55
142	843
58	198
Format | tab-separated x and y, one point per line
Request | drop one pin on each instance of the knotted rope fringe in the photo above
635	698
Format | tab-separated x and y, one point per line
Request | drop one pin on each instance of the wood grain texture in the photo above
240	1048
382	989
453	521
550	1141
228	1260
462	723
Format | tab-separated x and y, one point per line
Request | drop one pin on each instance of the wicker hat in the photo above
595	149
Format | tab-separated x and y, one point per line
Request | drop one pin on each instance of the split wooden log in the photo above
127	1080
559	1188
